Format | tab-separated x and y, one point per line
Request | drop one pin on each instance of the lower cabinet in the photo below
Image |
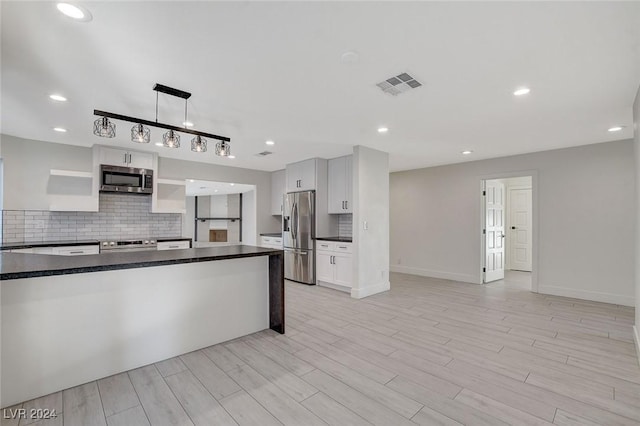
61	251
173	245
334	265
271	242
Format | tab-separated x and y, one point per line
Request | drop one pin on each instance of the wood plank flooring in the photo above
429	352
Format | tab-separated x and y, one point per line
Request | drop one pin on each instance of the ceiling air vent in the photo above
264	153
399	84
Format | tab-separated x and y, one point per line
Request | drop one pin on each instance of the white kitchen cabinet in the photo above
271	242
76	250
334	265
301	176
125	158
340	185
173	245
277	191
61	251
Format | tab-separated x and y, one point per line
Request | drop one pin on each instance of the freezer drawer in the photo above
299	266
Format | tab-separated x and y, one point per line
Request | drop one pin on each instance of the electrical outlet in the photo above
365	225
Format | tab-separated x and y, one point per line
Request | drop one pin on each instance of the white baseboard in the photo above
636	338
334	286
454	276
359	293
594	296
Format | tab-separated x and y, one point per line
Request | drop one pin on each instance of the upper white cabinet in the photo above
340	185
125	158
277	191
301	176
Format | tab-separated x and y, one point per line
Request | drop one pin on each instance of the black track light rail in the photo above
158	125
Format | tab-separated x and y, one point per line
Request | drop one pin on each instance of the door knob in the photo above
513	227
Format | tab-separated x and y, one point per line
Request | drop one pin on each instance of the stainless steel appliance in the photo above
127	246
298	233
126	179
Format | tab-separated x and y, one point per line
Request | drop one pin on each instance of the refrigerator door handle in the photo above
295	224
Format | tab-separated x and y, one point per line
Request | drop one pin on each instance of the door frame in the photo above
534	221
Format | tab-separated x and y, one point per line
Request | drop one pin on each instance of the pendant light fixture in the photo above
140	134
171	139
199	144
104	128
223	149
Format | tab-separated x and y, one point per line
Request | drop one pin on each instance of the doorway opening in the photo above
508	243
220	213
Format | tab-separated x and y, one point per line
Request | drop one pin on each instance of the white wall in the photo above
371	205
636	138
585	212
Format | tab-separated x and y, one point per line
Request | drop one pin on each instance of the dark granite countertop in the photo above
272	234
338	239
67	243
164	239
32	244
21	265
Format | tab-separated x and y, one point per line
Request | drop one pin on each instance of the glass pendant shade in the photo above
171	139
140	134
104	128
223	149
199	144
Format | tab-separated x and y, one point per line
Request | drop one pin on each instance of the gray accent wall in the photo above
585	215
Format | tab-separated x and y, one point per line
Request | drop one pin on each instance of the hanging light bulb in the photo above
104	128
171	139
223	149
199	144
140	134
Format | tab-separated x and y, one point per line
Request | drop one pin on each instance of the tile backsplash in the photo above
120	217
345	225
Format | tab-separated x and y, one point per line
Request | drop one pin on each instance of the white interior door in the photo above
494	231
520	233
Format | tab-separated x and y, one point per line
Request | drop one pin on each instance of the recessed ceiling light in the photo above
467	152
60	129
349	57
191	180
215	190
160	144
270	142
616	128
382	130
232	184
232	157
58	98
75	12
522	91
187	124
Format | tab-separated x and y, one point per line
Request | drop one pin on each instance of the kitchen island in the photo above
71	320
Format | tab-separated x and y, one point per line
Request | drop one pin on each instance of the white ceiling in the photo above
273	70
205	187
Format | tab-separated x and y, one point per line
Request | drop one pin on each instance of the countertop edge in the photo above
131	265
335	239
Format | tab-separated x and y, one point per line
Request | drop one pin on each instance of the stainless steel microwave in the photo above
126	179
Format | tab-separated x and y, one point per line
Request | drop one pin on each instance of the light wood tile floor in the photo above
430	352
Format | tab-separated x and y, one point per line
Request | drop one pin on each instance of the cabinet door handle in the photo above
346	205
76	252
331	260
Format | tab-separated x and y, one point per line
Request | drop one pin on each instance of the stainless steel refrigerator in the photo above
299	232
